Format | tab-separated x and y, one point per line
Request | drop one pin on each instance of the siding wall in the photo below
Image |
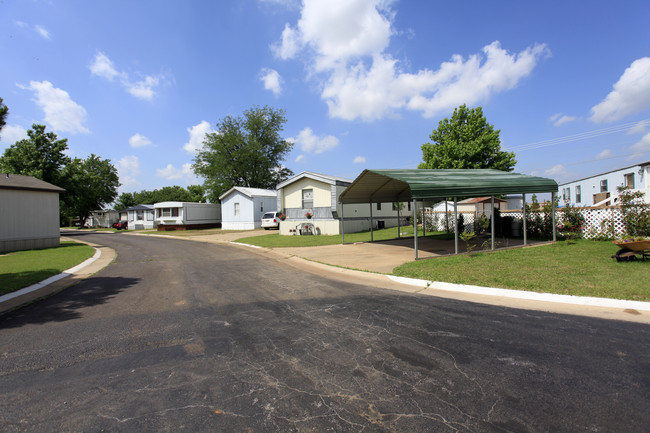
591	186
250	213
28	220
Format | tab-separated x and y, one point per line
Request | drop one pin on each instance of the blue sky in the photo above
363	83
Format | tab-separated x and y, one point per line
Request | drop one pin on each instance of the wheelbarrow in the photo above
630	249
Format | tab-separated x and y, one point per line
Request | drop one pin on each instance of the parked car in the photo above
121	225
271	220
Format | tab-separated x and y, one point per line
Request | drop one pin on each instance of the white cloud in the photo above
642	145
290	44
103	67
143	89
300	158
346	41
560	119
310	143
61	112
359	160
128	169
172	173
272	80
639	128
42	31
605	154
631	94
558	170
12	133
197	136
139	140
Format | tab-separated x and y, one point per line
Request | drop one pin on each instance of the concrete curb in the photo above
522	294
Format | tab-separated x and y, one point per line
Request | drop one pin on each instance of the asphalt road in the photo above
184	336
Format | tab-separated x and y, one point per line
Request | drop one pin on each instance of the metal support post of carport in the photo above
372	238
342	226
415	227
492	225
456	225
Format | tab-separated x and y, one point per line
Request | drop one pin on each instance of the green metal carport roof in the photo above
382	186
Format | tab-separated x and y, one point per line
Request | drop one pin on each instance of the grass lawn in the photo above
584	268
276	241
23	268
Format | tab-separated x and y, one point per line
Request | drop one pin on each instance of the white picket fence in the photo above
597	220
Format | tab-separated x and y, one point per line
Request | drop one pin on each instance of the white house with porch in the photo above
242	208
313	198
602	189
139	217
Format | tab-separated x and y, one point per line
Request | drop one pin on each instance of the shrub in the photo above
636	214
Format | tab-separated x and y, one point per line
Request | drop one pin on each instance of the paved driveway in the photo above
193	336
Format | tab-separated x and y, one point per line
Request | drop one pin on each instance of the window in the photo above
378	206
603	185
629	181
578	194
261	207
140	215
236	209
168	212
307	198
566	194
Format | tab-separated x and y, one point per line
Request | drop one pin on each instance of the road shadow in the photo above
66	305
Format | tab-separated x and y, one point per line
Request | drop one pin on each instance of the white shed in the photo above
242	208
179	215
29	213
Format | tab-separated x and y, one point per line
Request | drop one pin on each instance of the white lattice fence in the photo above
598	221
437	221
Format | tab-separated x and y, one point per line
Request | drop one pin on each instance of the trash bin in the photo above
517	226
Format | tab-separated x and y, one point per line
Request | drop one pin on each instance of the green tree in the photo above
245	151
40	155
125	200
91	184
4	111
465	141
197	193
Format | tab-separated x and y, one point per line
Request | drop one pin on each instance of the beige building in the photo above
317	195
29	213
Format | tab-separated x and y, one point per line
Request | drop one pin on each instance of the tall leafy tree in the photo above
245	151
4	111
41	155
197	193
125	200
466	140
91	184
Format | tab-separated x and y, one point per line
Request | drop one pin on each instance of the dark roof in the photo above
415	184
29	183
138	207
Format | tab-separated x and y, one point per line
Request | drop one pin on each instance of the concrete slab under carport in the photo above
384	256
